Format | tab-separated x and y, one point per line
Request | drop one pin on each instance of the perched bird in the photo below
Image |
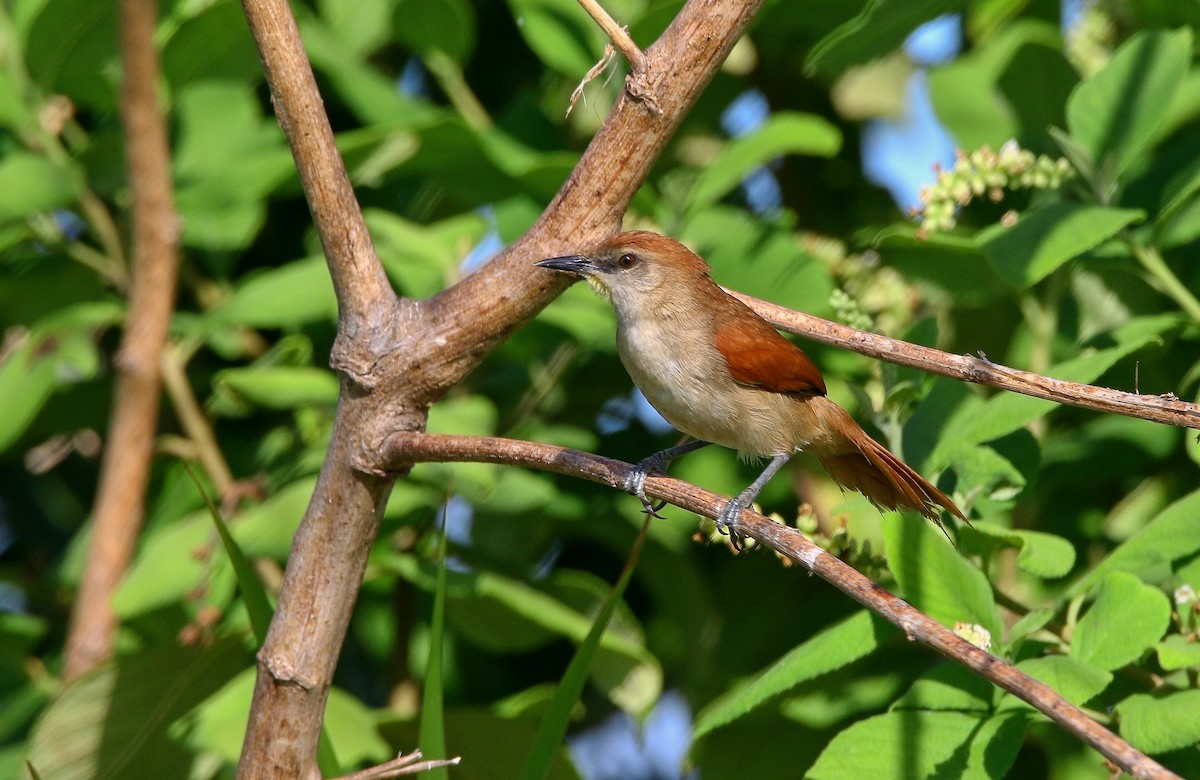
721	374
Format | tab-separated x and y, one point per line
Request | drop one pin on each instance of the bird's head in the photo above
635	269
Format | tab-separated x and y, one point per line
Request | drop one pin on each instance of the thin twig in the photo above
404	448
617	34
399	766
1165	409
125	469
195	423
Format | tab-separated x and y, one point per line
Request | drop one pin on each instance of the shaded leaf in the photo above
1157	724
1117	111
1127	619
831	649
1077	681
1040	554
1049	236
934	576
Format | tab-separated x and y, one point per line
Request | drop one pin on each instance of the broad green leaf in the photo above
1158	724
60	350
1007	412
934	576
71	49
1117	111
363	26
280	387
445	25
291	295
560	33
786	132
948	687
213	44
878	29
1078	682
1035	620
1049	236
1179	192
349	726
1172	535
30	184
904	744
1127	619
1176	652
113	723
1041	554
831	649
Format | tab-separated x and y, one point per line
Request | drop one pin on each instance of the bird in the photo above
721	374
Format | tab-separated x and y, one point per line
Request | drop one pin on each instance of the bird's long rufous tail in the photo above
865	465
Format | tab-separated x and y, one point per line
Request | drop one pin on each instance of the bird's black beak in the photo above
572	264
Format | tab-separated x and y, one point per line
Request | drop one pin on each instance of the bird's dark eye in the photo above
627	261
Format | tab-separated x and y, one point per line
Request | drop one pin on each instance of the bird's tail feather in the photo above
884	479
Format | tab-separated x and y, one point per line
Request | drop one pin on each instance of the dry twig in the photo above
405	448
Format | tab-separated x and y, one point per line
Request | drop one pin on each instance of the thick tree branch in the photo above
405	448
398	357
1157	408
365	297
125	470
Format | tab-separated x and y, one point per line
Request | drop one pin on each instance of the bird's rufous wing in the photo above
758	356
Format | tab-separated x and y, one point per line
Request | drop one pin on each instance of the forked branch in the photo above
403	449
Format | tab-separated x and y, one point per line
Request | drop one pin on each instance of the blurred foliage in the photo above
1084	563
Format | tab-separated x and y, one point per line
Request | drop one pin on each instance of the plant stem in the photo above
1166	279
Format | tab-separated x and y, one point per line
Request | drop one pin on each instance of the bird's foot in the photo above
635	482
730	517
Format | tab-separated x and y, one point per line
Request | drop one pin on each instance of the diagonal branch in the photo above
125	471
1166	409
365	297
403	449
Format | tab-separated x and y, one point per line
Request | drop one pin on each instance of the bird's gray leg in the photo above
657	463
727	520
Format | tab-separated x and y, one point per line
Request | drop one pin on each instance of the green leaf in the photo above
1176	652
213	44
560	33
1117	111
935	577
71	49
1078	682
904	744
879	29
254	595
558	713
1041	554
285	297
433	717
280	387
1127	619
30	184
948	687
1049	236
1157	724
832	648
786	132
113	723
445	25
1002	414
349	726
1172	535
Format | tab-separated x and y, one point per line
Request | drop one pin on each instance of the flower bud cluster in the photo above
986	172
848	310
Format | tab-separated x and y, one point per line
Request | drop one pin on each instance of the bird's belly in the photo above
715	410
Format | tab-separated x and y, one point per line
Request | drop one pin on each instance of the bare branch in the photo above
1165	409
364	295
125	470
405	448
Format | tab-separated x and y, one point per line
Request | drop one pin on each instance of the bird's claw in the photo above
635	483
728	520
